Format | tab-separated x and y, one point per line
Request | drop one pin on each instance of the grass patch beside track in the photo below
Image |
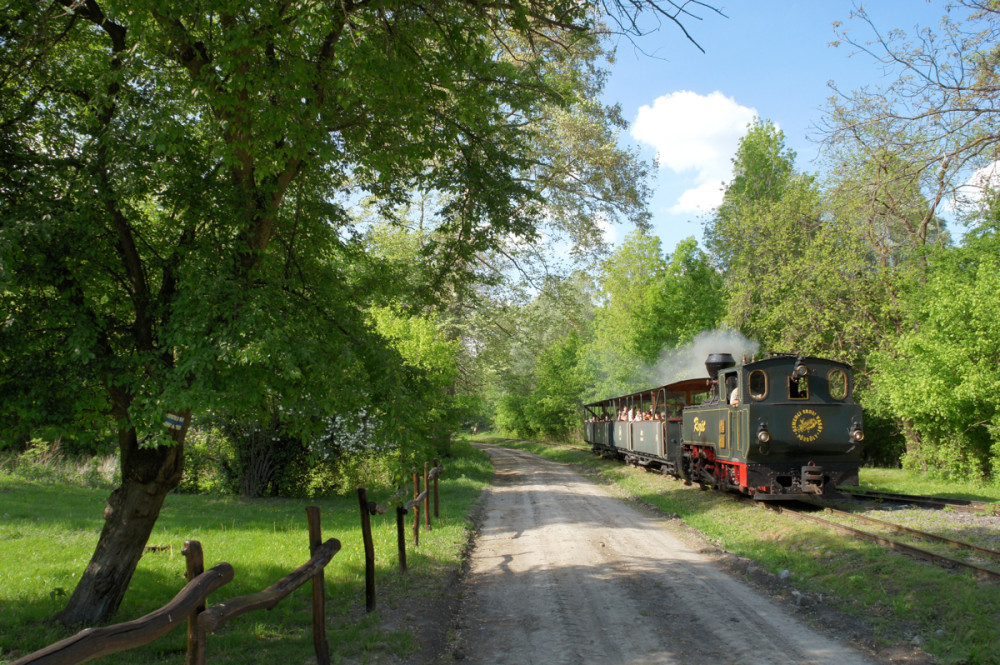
48	530
955	615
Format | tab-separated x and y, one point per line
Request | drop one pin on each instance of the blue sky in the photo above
769	58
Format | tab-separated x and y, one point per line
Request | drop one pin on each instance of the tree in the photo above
693	296
530	358
647	305
629	328
904	150
584	182
761	234
555	404
174	184
940	374
763	168
932	127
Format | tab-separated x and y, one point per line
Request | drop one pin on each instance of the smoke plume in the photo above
688	362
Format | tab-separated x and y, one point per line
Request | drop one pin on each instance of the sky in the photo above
687	110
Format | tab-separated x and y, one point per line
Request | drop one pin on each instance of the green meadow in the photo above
49	528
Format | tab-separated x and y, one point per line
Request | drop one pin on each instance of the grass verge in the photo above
955	616
48	531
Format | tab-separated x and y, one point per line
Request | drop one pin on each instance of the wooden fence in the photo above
370	508
189	605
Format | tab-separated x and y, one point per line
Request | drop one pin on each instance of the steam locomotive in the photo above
782	427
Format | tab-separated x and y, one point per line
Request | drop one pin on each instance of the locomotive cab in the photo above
784	427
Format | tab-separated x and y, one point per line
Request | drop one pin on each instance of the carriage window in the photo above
838	384
798	388
758	384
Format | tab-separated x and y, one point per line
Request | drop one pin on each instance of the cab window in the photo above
838	384
798	388
732	383
758	384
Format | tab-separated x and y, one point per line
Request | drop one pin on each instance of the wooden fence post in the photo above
436	465
366	536
401	538
319	594
195	558
416	509
427	499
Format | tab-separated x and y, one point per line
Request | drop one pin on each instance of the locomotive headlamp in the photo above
800	370
762	434
857	434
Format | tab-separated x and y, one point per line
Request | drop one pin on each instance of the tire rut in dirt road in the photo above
563	573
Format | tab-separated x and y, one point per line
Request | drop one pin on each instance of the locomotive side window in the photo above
798	387
731	393
758	384
838	384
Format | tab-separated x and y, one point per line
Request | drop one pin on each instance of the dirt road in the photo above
563	573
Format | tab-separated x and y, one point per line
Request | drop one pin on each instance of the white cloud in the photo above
609	230
969	197
698	135
703	198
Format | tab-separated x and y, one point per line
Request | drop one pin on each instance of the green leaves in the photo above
941	373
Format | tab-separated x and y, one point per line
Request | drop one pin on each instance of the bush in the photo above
884	443
940	376
45	461
205	450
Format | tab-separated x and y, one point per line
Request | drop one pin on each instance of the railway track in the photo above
963	505
935	557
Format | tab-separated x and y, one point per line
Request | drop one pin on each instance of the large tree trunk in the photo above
148	474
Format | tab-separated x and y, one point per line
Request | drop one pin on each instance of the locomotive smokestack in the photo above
718	361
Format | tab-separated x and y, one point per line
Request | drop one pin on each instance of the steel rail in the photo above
888	542
915	532
931	501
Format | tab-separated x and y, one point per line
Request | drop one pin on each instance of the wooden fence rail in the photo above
215	616
94	642
188	606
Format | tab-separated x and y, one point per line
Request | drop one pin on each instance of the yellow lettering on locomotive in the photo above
699	426
807	425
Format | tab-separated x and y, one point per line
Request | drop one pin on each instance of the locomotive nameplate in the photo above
807	425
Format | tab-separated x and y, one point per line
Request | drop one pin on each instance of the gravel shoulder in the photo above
560	572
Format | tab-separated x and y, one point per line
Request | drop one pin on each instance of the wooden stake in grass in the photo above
319	597
401	537
436	472
427	499
366	537
195	566
416	509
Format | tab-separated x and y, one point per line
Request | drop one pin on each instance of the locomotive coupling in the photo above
812	479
